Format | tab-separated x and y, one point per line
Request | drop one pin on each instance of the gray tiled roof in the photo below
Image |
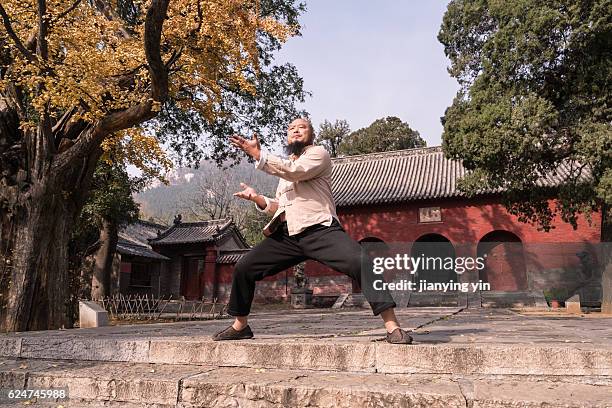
404	175
133	239
194	232
141	231
128	248
231	257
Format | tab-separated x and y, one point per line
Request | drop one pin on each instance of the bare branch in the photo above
44	138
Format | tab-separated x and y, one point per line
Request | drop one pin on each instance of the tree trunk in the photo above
44	184
38	283
37	211
103	260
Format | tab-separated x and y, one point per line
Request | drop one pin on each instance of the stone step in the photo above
131	385
350	354
340	301
356	300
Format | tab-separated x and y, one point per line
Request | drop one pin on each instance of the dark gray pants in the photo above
331	246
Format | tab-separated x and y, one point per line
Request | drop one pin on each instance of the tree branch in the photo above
66	12
9	29
69	129
136	114
200	19
152	37
157	70
176	54
44	146
103	7
42	48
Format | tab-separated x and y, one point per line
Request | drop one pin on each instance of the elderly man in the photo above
304	226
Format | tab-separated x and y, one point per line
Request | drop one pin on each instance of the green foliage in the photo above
331	135
111	196
382	135
535	92
252	225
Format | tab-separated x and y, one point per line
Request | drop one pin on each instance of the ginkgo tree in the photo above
78	77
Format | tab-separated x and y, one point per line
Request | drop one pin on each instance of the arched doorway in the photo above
433	249
504	261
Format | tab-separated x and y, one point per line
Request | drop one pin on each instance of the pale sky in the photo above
366	59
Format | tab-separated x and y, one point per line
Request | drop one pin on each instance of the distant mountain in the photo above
160	202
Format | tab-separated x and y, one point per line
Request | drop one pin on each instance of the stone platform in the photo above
324	358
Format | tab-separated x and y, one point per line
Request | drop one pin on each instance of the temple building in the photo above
409	199
405	199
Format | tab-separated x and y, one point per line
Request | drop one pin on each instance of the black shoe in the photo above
398	336
232	334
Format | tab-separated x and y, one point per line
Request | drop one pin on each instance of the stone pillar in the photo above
301	298
91	314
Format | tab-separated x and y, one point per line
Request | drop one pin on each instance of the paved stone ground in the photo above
429	326
323	358
310	323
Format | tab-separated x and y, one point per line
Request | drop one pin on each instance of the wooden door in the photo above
192	270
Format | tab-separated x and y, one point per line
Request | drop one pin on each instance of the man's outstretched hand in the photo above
249	146
248	193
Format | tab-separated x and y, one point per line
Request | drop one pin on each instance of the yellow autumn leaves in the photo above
97	59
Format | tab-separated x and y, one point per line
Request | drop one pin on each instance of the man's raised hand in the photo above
249	146
248	193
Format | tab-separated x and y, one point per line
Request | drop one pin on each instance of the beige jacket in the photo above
304	191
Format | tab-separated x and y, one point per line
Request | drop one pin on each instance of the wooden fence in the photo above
147	307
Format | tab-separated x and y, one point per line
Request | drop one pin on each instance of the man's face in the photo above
299	131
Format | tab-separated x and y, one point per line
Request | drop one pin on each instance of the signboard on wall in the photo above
430	214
